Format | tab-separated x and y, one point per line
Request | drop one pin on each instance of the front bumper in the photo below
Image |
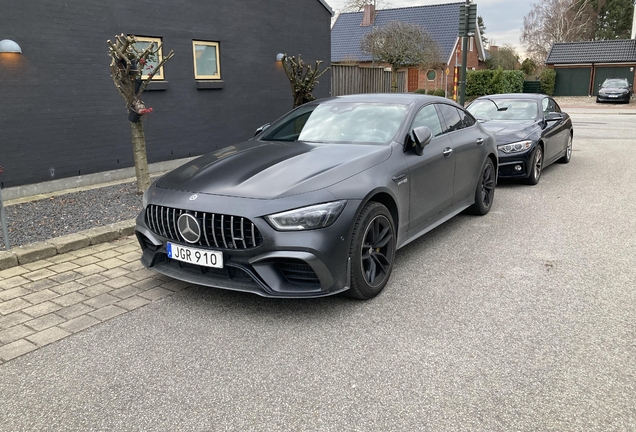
516	165
613	98
312	263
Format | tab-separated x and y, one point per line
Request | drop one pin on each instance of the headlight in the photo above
306	218
515	147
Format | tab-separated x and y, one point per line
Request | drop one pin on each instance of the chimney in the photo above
368	15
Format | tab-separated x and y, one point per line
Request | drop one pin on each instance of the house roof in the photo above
440	21
603	51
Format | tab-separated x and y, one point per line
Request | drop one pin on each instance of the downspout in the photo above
592	78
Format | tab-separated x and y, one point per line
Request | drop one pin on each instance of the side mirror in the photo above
262	128
554	116
422	136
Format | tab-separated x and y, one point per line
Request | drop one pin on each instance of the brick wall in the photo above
61	116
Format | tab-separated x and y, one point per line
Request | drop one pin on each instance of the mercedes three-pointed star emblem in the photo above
189	228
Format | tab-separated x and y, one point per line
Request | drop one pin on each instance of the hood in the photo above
509	131
267	170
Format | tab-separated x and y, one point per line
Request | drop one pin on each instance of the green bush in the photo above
430	91
420	91
485	82
439	92
548	79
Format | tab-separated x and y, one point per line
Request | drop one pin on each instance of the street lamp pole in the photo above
462	82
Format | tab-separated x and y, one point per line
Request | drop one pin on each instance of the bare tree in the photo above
302	78
400	45
126	68
552	21
358	5
504	57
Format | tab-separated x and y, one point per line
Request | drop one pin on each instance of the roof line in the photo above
407	7
324	3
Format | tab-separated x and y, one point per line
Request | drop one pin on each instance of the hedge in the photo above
548	79
485	82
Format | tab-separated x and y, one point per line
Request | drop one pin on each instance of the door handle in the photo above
480	141
447	151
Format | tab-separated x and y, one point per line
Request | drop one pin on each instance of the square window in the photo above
141	44
206	60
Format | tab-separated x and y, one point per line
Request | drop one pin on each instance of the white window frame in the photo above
197	76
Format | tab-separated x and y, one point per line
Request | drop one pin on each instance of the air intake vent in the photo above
219	231
298	272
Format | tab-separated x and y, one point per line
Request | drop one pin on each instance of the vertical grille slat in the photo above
216	243
232	231
223	230
243	233
205	231
235	232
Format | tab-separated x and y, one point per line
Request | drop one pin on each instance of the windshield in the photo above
504	109
339	122
615	83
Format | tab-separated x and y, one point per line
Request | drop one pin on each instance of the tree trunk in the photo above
139	153
394	80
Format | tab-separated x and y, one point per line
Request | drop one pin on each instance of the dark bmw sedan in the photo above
319	201
531	132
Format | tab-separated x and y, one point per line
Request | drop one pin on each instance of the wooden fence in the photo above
353	80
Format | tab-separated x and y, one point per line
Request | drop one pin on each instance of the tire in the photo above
568	151
485	191
535	167
372	251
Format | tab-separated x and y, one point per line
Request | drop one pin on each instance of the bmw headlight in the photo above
515	147
306	218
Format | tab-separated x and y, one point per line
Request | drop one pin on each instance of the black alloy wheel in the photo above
535	167
485	192
568	151
372	251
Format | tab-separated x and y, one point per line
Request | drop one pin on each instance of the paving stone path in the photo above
47	300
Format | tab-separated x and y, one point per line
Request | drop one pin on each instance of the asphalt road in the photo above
522	320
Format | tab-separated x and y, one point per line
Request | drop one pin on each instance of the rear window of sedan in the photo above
504	109
339	122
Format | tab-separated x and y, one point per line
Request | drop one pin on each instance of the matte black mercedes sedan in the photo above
531	132
318	202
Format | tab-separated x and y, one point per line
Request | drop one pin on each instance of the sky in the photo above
503	18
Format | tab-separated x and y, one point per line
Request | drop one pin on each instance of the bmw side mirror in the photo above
422	136
554	116
262	128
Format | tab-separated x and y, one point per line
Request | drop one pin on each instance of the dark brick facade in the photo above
61	116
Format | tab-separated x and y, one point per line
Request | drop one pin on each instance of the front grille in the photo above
298	271
219	231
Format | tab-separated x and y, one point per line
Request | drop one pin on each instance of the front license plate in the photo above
196	256
613	95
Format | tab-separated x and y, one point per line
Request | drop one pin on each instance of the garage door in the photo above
572	81
602	73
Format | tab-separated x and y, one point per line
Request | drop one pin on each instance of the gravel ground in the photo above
40	220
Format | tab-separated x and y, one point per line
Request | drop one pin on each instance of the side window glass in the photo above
428	117
467	119
451	117
549	105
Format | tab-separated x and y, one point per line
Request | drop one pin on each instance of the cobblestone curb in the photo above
60	245
49	299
